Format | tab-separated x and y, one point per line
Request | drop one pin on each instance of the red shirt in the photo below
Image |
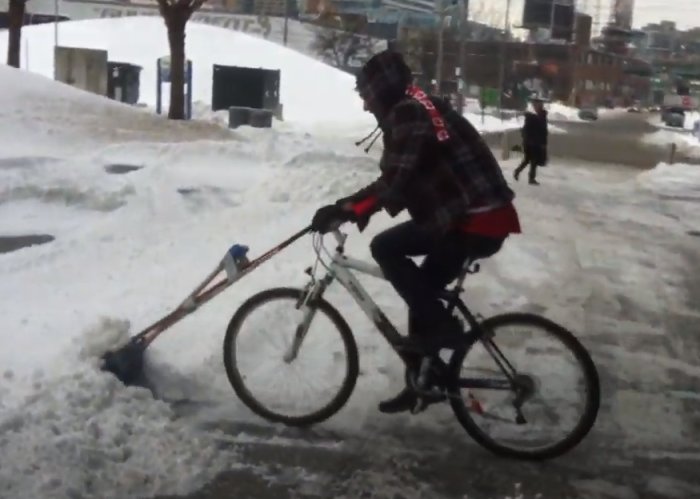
498	222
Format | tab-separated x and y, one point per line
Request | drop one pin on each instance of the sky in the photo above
686	13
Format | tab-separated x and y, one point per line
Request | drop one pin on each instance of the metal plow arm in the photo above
126	363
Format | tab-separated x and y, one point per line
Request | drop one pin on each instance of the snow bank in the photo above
59	117
77	432
687	144
311	91
560	112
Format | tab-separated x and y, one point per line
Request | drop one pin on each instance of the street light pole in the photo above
286	22
55	23
502	68
462	81
438	63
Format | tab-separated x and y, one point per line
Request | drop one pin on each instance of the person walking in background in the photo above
534	133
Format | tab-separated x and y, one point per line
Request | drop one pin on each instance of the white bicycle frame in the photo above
340	269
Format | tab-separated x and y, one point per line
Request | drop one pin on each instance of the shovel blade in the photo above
126	363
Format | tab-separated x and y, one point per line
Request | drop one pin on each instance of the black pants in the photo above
534	156
420	285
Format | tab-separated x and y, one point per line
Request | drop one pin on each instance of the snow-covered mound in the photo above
686	143
66	117
311	91
560	112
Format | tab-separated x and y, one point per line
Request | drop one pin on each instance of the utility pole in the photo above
440	49
502	67
286	22
55	25
462	81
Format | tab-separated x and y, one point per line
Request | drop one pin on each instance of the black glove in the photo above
328	218
362	222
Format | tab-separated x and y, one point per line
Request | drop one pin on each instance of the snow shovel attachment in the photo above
126	363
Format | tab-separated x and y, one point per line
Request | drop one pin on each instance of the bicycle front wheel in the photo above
527	389
273	373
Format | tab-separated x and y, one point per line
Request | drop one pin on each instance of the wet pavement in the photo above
14	243
614	138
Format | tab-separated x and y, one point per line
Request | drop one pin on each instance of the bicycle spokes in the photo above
501	382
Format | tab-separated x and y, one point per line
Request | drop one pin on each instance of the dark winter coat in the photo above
439	183
535	134
534	130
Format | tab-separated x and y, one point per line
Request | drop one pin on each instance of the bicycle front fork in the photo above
312	291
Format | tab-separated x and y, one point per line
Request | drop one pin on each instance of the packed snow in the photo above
329	101
130	247
142	40
560	112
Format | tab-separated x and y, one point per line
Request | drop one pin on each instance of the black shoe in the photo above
533	182
406	400
516	174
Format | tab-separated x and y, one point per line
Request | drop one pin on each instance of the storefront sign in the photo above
257	25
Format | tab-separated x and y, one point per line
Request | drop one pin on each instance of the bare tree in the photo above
340	40
14	40
176	13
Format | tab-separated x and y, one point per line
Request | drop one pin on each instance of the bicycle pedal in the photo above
426	398
420	405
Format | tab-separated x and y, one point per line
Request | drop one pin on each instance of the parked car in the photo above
588	113
675	120
673	116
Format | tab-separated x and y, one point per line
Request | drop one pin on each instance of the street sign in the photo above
490	97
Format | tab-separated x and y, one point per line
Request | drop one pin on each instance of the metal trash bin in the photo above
238	116
123	81
260	118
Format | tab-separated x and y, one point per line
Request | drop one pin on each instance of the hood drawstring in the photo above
372	135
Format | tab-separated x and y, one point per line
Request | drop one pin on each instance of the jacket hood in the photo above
382	82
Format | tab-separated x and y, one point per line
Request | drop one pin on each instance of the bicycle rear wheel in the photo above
480	412
333	345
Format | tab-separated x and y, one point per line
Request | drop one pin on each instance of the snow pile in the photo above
61	116
686	143
91	437
561	112
310	91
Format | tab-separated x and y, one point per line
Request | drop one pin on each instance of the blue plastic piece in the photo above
238	251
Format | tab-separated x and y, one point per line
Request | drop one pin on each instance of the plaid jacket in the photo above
439	183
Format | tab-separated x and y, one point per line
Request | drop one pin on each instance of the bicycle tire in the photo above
584	425
238	383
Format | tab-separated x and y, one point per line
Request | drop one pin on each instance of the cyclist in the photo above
437	167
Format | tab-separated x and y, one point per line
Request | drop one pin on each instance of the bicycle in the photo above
433	379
